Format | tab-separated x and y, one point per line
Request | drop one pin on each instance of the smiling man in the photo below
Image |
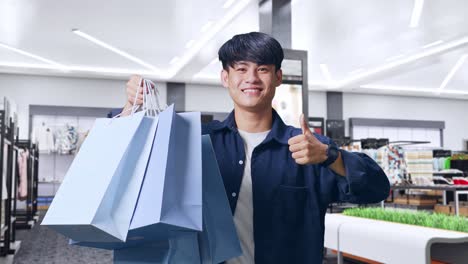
279	179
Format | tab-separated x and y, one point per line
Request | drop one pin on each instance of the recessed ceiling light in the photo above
206	26
326	72
432	44
417	11
189	44
117	51
28	54
228	3
452	72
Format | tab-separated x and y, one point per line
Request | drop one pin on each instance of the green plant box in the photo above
454	223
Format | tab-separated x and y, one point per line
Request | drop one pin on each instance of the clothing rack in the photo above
8	134
26	218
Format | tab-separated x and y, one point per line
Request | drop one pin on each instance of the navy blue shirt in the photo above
290	200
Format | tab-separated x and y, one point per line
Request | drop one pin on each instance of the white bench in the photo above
393	243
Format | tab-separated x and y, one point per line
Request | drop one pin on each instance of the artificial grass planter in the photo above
454	223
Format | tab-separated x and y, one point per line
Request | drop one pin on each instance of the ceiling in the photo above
366	45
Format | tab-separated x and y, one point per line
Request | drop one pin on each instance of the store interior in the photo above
384	78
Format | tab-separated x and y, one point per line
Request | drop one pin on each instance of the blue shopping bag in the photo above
218	241
96	201
171	195
181	247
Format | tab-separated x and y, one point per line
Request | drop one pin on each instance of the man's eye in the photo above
241	69
263	69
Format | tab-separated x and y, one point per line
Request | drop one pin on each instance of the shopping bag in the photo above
218	241
182	247
97	198
171	194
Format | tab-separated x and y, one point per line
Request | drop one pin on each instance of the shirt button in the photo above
241	162
234	194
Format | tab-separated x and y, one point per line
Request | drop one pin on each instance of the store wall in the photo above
215	98
25	90
453	112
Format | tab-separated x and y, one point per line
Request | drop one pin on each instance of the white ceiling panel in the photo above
348	38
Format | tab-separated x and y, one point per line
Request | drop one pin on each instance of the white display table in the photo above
390	243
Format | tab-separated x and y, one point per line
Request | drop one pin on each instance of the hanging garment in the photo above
45	136
5	164
23	175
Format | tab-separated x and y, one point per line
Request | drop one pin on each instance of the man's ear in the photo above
279	77
224	78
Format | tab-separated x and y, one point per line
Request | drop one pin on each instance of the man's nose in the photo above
252	76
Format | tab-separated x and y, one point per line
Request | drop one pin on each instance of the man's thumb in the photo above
305	126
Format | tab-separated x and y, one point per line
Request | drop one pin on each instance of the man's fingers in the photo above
299	154
296	139
297	147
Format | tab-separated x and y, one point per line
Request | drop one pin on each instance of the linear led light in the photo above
228	4
71	69
326	72
452	72
174	60
189	43
356	71
417	11
399	56
435	43
364	76
207	36
409	89
214	61
206	26
117	51
25	53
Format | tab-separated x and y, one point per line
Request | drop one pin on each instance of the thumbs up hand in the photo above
306	148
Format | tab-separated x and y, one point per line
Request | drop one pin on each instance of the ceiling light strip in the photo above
452	72
25	53
228	4
432	44
365	76
410	89
205	38
326	72
117	51
416	14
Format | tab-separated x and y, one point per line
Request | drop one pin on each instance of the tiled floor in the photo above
41	245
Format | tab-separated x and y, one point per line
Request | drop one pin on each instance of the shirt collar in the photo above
279	131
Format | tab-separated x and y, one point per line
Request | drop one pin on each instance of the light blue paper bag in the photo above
182	247
97	198
171	195
218	241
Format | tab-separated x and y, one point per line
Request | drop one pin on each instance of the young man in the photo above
279	179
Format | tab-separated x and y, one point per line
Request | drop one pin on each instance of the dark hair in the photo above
254	47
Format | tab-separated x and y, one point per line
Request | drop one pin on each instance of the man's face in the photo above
251	86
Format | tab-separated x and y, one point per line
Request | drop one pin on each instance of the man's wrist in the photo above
332	154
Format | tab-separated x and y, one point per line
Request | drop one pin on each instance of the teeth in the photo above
251	90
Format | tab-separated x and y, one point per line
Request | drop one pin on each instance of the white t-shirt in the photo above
243	216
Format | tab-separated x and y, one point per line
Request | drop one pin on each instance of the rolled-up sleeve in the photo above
365	181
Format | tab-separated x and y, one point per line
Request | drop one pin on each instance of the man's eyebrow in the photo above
240	63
